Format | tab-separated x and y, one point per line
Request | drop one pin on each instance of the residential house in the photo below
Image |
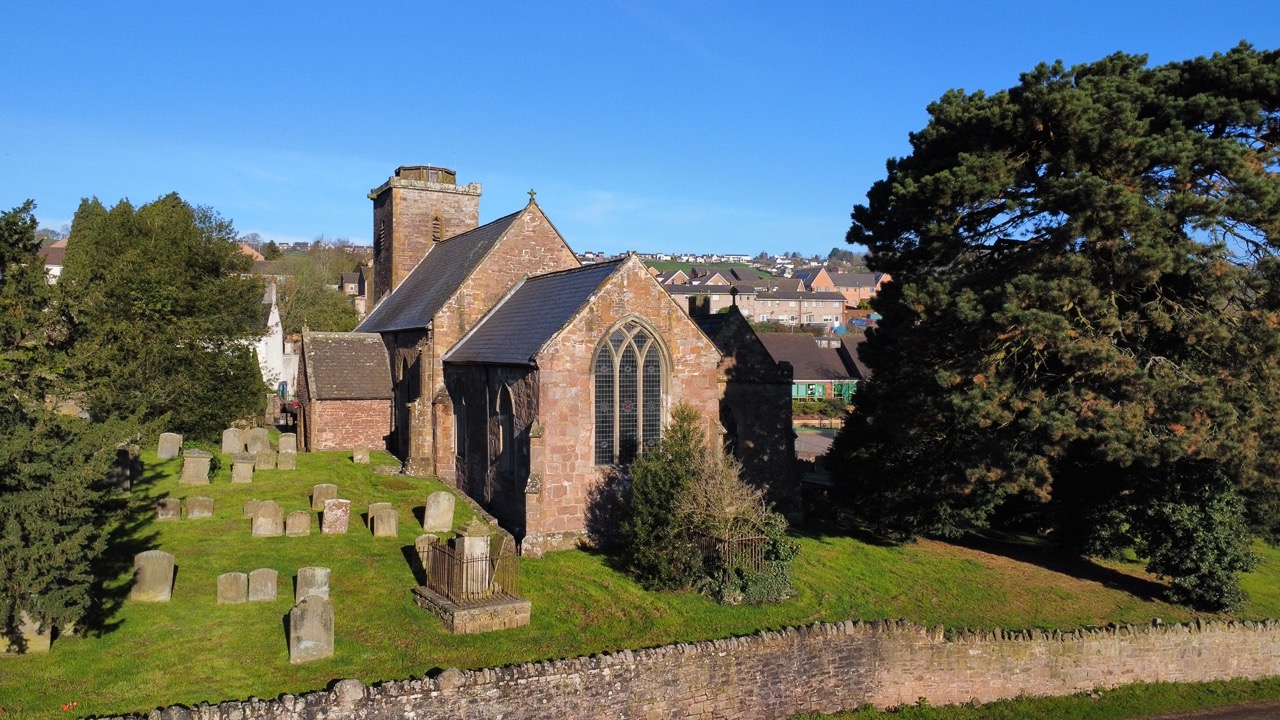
821	367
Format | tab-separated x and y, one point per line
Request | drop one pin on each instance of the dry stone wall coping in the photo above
827	667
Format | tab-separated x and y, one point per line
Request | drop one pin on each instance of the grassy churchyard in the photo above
192	650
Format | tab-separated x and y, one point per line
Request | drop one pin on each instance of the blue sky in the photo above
649	126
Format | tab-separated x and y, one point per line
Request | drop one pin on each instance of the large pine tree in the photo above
1084	314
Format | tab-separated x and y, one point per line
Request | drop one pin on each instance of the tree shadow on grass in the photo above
1047	556
129	535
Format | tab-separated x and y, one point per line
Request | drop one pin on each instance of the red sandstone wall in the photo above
566	406
345	424
820	668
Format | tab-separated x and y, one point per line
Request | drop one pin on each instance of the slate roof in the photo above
517	328
852	280
346	366
850	340
435	279
53	254
798	295
809	362
350	278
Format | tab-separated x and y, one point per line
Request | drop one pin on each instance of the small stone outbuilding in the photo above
345	397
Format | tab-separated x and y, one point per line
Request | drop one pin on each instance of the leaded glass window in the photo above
628	384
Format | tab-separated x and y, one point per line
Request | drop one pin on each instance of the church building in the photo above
522	376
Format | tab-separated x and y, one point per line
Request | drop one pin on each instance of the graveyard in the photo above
138	654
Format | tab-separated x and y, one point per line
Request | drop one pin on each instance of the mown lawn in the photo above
192	650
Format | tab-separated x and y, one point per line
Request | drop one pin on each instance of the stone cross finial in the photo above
531	194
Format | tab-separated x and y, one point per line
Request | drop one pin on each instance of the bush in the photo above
690	515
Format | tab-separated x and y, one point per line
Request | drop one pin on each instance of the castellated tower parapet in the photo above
414	209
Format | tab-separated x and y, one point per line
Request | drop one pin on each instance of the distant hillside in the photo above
673	265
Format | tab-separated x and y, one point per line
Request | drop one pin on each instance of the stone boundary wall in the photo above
822	667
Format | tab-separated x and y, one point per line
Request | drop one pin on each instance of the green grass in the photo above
192	650
1132	701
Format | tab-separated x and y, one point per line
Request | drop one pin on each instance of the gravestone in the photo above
233	588
424	545
312	581
169	509
322	492
337	515
298	523
127	466
472	544
152	576
311	630
438	515
242	467
31	640
195	467
268	521
251	507
266	460
287	461
375	507
232	441
385	522
288	443
199	507
256	440
360	456
170	446
262	585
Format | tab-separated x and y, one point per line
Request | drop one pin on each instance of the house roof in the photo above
853	280
435	279
850	340
350	278
524	321
346	366
54	254
809	361
798	295
731	274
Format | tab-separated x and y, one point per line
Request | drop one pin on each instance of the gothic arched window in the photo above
628	382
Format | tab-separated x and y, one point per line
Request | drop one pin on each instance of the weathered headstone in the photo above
195	467
251	507
268	521
375	507
337	515
266	460
170	446
127	466
169	509
242	467
424	545
385	522
233	588
288	443
322	492
312	581
360	456
438	515
298	523
257	440
311	630
262	585
472	544
232	441
152	576
287	461
30	640
199	507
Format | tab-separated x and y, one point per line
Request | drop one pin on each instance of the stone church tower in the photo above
414	209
